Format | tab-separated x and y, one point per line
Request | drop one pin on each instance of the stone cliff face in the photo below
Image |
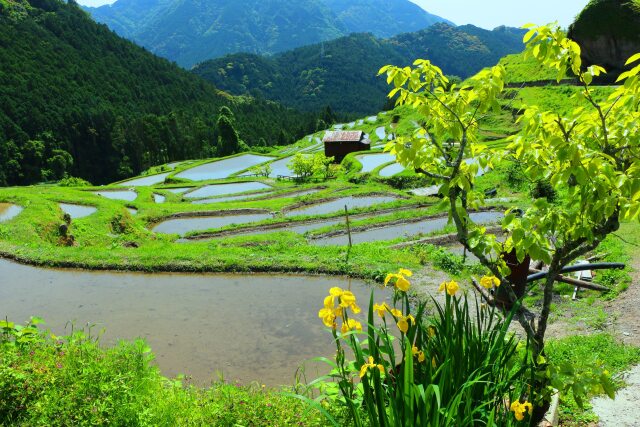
608	32
608	51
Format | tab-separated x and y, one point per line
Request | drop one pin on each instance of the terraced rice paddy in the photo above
391	170
128	196
190	331
226	189
9	211
145	180
401	230
184	225
372	161
331	206
222	168
77	211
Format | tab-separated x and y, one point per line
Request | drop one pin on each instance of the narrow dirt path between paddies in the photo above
626	309
624	410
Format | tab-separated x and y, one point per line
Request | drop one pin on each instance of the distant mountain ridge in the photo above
192	31
343	73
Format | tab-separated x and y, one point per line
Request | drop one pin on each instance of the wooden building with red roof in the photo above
340	143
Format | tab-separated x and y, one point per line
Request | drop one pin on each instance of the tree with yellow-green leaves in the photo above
591	156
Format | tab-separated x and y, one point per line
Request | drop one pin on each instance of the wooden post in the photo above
346	214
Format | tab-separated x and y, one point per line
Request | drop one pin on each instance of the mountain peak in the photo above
191	31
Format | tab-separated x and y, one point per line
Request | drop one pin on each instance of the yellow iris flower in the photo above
418	353
328	316
403	323
401	282
329	313
370	365
381	309
520	409
489	282
451	287
351	325
347	299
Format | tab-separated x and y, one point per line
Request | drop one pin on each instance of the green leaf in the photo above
633	59
528	36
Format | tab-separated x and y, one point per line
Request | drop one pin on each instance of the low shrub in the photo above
403	182
72	181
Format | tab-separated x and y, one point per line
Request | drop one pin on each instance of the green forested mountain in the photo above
343	73
78	99
191	31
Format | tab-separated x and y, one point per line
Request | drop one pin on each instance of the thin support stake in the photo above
346	214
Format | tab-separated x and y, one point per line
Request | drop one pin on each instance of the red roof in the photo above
343	136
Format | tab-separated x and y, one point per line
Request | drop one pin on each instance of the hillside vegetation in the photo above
78	99
191	31
343	73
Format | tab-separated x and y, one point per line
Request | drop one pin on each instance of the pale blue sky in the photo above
492	13
94	3
485	13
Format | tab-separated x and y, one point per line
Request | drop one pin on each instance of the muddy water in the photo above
8	211
223	168
145	180
77	211
403	230
183	226
224	189
128	196
250	327
338	205
372	161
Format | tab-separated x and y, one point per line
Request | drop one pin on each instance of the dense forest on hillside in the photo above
192	31
77	99
343	73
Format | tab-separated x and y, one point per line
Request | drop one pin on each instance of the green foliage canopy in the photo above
591	154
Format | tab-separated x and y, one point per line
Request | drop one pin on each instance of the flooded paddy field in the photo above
372	161
9	211
404	229
352	202
127	195
77	211
145	181
222	168
226	189
184	225
250	327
